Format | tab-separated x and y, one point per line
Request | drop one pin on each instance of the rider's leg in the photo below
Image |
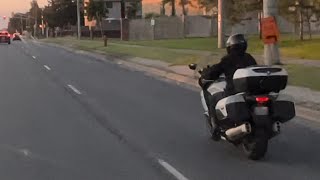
213	102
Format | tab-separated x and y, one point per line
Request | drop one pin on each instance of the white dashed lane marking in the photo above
47	67
74	89
172	170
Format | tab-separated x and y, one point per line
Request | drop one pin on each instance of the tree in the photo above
133	9
96	11
35	16
151	15
172	4
61	13
163	9
17	22
208	5
183	4
300	12
235	9
13	25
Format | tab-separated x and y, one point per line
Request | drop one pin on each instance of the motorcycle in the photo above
253	115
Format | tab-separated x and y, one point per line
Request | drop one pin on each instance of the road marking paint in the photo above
33	37
34	57
172	170
47	67
25	152
74	89
23	40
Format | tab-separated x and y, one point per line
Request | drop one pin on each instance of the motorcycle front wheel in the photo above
255	147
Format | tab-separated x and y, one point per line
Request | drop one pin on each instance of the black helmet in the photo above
237	42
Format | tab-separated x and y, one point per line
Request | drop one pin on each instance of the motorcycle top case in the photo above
283	108
233	110
260	79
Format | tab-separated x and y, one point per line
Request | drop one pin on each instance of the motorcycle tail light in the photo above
262	99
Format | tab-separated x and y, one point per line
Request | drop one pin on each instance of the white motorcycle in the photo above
255	113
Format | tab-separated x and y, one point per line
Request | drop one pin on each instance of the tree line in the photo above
298	12
63	13
57	13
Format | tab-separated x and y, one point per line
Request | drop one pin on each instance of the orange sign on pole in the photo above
270	31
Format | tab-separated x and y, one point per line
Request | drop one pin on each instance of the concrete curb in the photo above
308	114
190	82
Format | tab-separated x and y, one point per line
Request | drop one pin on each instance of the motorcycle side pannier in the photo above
283	108
260	79
233	110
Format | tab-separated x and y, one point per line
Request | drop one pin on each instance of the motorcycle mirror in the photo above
192	66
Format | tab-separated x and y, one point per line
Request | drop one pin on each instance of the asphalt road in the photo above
68	116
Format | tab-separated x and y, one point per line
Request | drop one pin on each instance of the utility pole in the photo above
221	25
42	23
21	22
271	51
35	17
78	19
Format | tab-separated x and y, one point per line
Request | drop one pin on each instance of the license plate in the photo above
261	111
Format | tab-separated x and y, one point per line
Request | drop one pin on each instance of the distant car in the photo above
16	37
5	37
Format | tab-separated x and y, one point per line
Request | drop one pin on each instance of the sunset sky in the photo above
9	6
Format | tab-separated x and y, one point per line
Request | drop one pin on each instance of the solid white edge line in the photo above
172	170
23	40
47	67
74	89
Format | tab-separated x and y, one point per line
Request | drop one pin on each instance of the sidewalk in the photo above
302	95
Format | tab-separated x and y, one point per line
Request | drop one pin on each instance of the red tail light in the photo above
262	99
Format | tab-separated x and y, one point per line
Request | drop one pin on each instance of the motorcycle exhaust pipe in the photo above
238	132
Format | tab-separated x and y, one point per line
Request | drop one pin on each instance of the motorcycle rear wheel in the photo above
256	147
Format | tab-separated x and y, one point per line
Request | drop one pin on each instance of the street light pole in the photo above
35	17
78	19
221	30
271	51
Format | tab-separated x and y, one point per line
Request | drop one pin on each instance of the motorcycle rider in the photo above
236	58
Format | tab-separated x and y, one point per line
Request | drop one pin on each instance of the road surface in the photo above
69	116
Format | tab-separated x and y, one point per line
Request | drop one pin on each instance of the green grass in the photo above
304	76
308	49
170	56
290	46
299	75
206	44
